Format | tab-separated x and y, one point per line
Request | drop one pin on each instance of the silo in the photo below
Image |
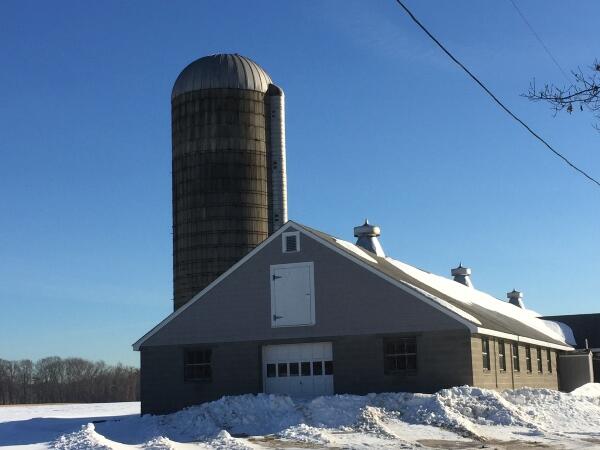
229	183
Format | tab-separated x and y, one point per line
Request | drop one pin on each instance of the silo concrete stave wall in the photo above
220	184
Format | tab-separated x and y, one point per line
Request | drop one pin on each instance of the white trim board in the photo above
585	355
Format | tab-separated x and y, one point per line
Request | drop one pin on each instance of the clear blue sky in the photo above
380	124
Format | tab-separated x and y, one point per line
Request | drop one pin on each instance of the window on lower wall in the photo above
501	355
400	355
549	360
515	357
528	358
197	365
485	352
539	359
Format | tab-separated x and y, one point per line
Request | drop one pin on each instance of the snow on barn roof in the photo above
486	312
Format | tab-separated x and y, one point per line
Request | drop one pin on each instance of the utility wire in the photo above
540	41
508	111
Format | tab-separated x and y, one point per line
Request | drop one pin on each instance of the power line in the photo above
508	111
540	41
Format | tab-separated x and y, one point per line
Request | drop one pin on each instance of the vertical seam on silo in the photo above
246	79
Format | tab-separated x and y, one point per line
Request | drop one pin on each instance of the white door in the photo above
298	370
292	295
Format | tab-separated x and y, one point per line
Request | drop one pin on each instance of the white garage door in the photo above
298	370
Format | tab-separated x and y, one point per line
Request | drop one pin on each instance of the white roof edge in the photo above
515	337
136	345
470	325
578	353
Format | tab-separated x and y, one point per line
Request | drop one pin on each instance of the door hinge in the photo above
275	317
275	277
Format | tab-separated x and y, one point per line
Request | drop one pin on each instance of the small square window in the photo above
317	368
328	367
400	356
305	368
294	369
271	371
197	365
282	370
290	242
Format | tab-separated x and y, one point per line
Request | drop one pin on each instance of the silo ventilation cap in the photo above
462	275
515	298
367	238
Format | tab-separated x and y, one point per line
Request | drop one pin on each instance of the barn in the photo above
305	314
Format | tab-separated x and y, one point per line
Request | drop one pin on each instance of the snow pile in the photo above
241	415
464	410
85	439
588	390
391	420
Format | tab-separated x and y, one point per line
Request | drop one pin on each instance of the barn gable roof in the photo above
480	312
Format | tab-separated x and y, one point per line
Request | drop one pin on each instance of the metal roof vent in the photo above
367	238
462	275
516	298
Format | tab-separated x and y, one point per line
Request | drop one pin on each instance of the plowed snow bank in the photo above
466	411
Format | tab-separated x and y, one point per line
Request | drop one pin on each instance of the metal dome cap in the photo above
222	71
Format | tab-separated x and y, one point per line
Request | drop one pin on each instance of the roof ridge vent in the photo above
367	235
462	275
515	298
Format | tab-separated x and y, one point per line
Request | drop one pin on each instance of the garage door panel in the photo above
312	362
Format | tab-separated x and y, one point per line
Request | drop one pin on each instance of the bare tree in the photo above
70	380
583	94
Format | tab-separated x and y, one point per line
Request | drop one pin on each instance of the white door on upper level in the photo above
298	370
292	295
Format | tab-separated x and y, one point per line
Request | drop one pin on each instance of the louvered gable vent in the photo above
290	242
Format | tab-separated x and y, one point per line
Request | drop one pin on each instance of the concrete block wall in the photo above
510	379
443	360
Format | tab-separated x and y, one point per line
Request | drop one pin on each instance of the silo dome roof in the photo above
222	71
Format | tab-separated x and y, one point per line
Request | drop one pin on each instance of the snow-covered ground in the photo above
457	418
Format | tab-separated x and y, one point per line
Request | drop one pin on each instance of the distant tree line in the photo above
68	380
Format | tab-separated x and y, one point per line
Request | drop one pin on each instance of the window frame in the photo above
514	349
284	236
207	363
528	365
485	354
549	360
502	355
406	355
538	357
